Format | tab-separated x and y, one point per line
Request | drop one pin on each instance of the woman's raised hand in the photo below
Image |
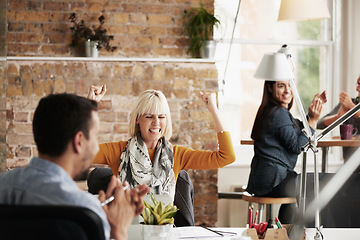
315	110
209	100
96	93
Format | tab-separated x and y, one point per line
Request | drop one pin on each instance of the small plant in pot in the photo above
158	219
97	34
199	24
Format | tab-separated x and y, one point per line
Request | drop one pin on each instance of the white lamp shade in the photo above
274	67
303	10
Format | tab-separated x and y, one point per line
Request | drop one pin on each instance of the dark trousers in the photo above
286	188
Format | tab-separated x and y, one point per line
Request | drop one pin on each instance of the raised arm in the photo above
315	110
210	102
347	103
96	93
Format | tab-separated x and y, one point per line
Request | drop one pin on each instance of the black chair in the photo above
184	200
49	222
343	210
100	177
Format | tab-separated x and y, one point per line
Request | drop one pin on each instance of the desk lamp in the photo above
304	10
279	66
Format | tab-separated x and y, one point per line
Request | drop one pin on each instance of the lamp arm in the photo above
285	49
300	108
339	121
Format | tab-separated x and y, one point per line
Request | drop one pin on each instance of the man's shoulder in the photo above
10	176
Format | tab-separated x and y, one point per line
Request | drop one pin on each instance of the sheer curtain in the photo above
350	45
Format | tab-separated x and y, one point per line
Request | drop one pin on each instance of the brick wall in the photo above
192	123
146	28
141	28
2	84
2	117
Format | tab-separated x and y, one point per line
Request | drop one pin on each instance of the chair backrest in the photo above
49	222
184	200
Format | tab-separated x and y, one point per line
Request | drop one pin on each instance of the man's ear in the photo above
78	141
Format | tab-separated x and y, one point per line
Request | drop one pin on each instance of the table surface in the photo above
134	233
335	142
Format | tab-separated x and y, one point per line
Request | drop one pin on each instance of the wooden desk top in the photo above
335	142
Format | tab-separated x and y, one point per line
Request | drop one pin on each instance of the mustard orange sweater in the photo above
184	158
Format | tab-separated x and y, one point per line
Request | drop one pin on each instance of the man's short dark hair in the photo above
57	119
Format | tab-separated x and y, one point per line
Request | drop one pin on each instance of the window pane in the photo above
241	89
257	19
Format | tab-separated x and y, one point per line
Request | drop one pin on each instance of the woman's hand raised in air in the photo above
210	102
96	93
315	110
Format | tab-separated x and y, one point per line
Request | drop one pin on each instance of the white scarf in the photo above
136	167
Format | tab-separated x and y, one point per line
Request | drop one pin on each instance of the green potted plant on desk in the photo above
199	24
158	219
95	38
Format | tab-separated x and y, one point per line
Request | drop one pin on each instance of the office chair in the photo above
343	210
100	177
49	222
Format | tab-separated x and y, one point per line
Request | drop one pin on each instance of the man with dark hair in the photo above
66	128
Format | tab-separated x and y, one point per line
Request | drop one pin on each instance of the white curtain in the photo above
350	32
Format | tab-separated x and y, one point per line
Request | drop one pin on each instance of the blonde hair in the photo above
150	102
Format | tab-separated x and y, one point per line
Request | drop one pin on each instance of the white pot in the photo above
91	49
156	232
209	49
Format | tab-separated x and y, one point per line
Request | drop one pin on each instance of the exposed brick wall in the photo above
193	126
141	28
146	28
2	117
2	85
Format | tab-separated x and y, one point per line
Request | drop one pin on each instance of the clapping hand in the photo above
315	108
345	101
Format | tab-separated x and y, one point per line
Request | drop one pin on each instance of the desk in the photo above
335	142
324	145
134	233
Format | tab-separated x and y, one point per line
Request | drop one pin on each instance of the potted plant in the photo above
95	37
158	219
199	24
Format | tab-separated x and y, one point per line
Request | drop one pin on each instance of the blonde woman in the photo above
148	156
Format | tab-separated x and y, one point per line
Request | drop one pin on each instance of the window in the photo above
257	31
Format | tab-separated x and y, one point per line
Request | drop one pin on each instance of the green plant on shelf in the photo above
199	24
81	33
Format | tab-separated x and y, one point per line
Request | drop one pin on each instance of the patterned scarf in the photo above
136	167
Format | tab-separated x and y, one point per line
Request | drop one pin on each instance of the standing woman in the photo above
277	143
148	156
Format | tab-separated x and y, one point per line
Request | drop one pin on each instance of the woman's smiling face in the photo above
282	92
152	128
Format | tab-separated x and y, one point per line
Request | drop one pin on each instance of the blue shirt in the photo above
42	182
